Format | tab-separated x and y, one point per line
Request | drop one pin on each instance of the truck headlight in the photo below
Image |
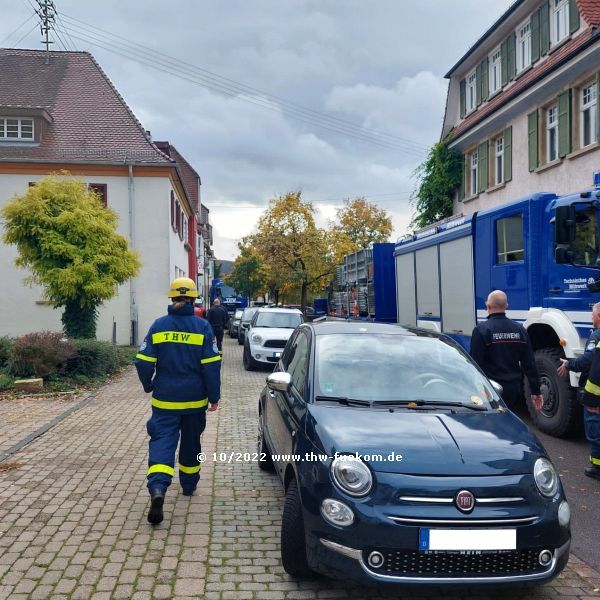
256	338
351	475
545	477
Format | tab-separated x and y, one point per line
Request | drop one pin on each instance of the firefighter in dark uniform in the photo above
589	397
180	364
502	349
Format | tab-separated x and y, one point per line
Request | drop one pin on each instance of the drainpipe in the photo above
133	310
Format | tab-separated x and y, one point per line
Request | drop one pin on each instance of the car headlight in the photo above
256	338
545	477
351	475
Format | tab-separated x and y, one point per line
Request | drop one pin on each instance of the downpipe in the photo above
133	311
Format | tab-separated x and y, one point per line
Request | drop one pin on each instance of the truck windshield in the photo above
585	244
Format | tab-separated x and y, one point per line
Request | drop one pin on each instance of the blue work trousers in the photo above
164	429
591	421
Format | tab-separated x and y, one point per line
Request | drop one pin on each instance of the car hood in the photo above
273	333
474	443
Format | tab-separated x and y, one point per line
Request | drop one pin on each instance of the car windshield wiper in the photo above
342	400
427	404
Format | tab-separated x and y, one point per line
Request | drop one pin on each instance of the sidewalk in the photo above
73	514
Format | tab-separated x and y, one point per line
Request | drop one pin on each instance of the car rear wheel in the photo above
240	339
249	363
293	540
262	448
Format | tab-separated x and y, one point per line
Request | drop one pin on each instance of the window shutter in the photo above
564	123
461	187
597	106
544	28
535	36
511	44
532	136
485	79
504	62
508	154
478	80
463	98
573	16
482	161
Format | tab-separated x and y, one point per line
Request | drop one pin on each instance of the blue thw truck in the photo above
543	251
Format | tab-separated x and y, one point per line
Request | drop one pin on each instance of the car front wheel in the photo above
293	541
262	448
249	363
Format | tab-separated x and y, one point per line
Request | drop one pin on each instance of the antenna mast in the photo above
47	14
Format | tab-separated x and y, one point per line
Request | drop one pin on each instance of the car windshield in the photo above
398	368
284	320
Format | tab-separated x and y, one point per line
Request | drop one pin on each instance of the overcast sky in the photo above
378	65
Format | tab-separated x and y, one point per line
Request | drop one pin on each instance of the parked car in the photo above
269	331
234	322
245	323
401	463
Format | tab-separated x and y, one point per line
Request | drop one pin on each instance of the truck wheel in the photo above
561	415
293	541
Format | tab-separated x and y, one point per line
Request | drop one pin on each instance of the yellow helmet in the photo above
183	286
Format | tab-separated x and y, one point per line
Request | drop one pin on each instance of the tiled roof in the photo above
90	120
525	81
590	11
190	177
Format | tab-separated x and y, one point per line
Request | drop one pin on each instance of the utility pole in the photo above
47	14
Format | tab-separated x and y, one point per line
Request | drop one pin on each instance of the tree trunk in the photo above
79	322
304	295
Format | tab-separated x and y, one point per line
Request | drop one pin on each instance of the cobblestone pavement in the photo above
73	514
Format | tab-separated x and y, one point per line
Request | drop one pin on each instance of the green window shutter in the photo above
463	98
504	62
485	79
532	136
564	123
573	16
511	43
544	28
535	36
482	161
461	188
508	154
478	80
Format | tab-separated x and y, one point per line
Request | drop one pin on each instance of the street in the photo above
73	511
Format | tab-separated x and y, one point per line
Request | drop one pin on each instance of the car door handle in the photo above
555	290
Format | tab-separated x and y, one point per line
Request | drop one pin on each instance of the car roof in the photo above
286	311
342	326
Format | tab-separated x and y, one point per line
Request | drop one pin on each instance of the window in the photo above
585	244
559	20
495	71
523	46
473	188
101	190
587	114
552	133
509	239
298	365
173	211
499	160
471	91
16	129
185	227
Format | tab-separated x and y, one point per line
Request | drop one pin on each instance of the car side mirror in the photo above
497	387
279	381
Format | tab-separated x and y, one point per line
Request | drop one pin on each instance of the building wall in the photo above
159	247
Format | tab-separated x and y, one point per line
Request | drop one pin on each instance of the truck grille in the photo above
275	343
440	564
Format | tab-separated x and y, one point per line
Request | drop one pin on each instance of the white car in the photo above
269	332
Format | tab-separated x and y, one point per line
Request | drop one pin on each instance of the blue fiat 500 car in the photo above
401	463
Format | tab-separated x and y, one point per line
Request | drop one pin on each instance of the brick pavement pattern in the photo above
73	515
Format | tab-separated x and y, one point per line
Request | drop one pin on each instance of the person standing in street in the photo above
179	363
588	395
502	349
217	316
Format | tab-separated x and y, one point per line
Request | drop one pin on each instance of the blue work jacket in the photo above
179	363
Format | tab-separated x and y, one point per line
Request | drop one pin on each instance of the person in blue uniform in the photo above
180	364
589	397
501	348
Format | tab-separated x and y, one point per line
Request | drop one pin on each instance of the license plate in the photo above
276	354
467	539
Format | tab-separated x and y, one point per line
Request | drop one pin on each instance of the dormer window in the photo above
495	71
471	92
16	129
559	20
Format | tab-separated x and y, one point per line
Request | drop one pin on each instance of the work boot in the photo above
593	472
157	499
189	491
